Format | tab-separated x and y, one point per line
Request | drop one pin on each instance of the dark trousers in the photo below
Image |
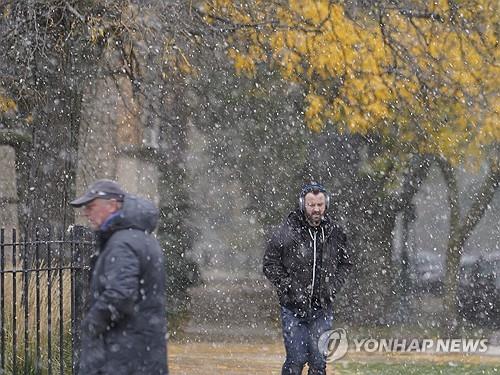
301	337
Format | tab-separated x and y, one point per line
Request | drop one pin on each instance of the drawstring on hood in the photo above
314	264
313	238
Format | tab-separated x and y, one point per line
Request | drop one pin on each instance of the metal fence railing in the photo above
43	286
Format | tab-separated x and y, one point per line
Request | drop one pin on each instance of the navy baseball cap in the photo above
104	189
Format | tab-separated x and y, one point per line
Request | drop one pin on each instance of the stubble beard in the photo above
314	220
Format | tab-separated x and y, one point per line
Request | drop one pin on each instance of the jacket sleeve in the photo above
120	281
273	266
344	262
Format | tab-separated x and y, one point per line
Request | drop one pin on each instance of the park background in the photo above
220	111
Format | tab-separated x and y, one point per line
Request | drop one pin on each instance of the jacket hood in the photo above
136	213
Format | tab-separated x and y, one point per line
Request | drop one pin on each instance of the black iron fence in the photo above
43	286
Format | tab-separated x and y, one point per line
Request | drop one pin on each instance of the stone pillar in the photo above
8	191
8	187
138	174
114	143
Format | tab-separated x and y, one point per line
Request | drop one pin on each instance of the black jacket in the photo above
124	330
289	260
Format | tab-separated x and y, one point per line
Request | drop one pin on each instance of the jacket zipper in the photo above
313	268
313	238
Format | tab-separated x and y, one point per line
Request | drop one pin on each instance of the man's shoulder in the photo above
288	230
337	231
294	220
130	236
128	232
288	223
138	241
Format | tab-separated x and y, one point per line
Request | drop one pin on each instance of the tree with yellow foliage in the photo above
421	76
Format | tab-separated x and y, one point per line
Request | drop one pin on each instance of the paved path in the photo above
266	358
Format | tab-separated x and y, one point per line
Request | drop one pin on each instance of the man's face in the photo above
98	210
315	208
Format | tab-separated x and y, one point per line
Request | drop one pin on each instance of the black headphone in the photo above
313	187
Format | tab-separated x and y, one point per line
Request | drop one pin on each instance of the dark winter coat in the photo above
289	258
124	331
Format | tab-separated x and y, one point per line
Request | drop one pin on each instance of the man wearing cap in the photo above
124	330
307	261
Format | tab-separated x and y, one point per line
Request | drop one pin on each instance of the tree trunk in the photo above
460	231
52	158
453	249
374	272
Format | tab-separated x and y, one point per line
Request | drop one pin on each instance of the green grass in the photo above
410	369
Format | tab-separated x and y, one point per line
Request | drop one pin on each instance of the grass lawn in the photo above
192	358
410	369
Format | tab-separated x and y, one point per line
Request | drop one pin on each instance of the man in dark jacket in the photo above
307	260
124	330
